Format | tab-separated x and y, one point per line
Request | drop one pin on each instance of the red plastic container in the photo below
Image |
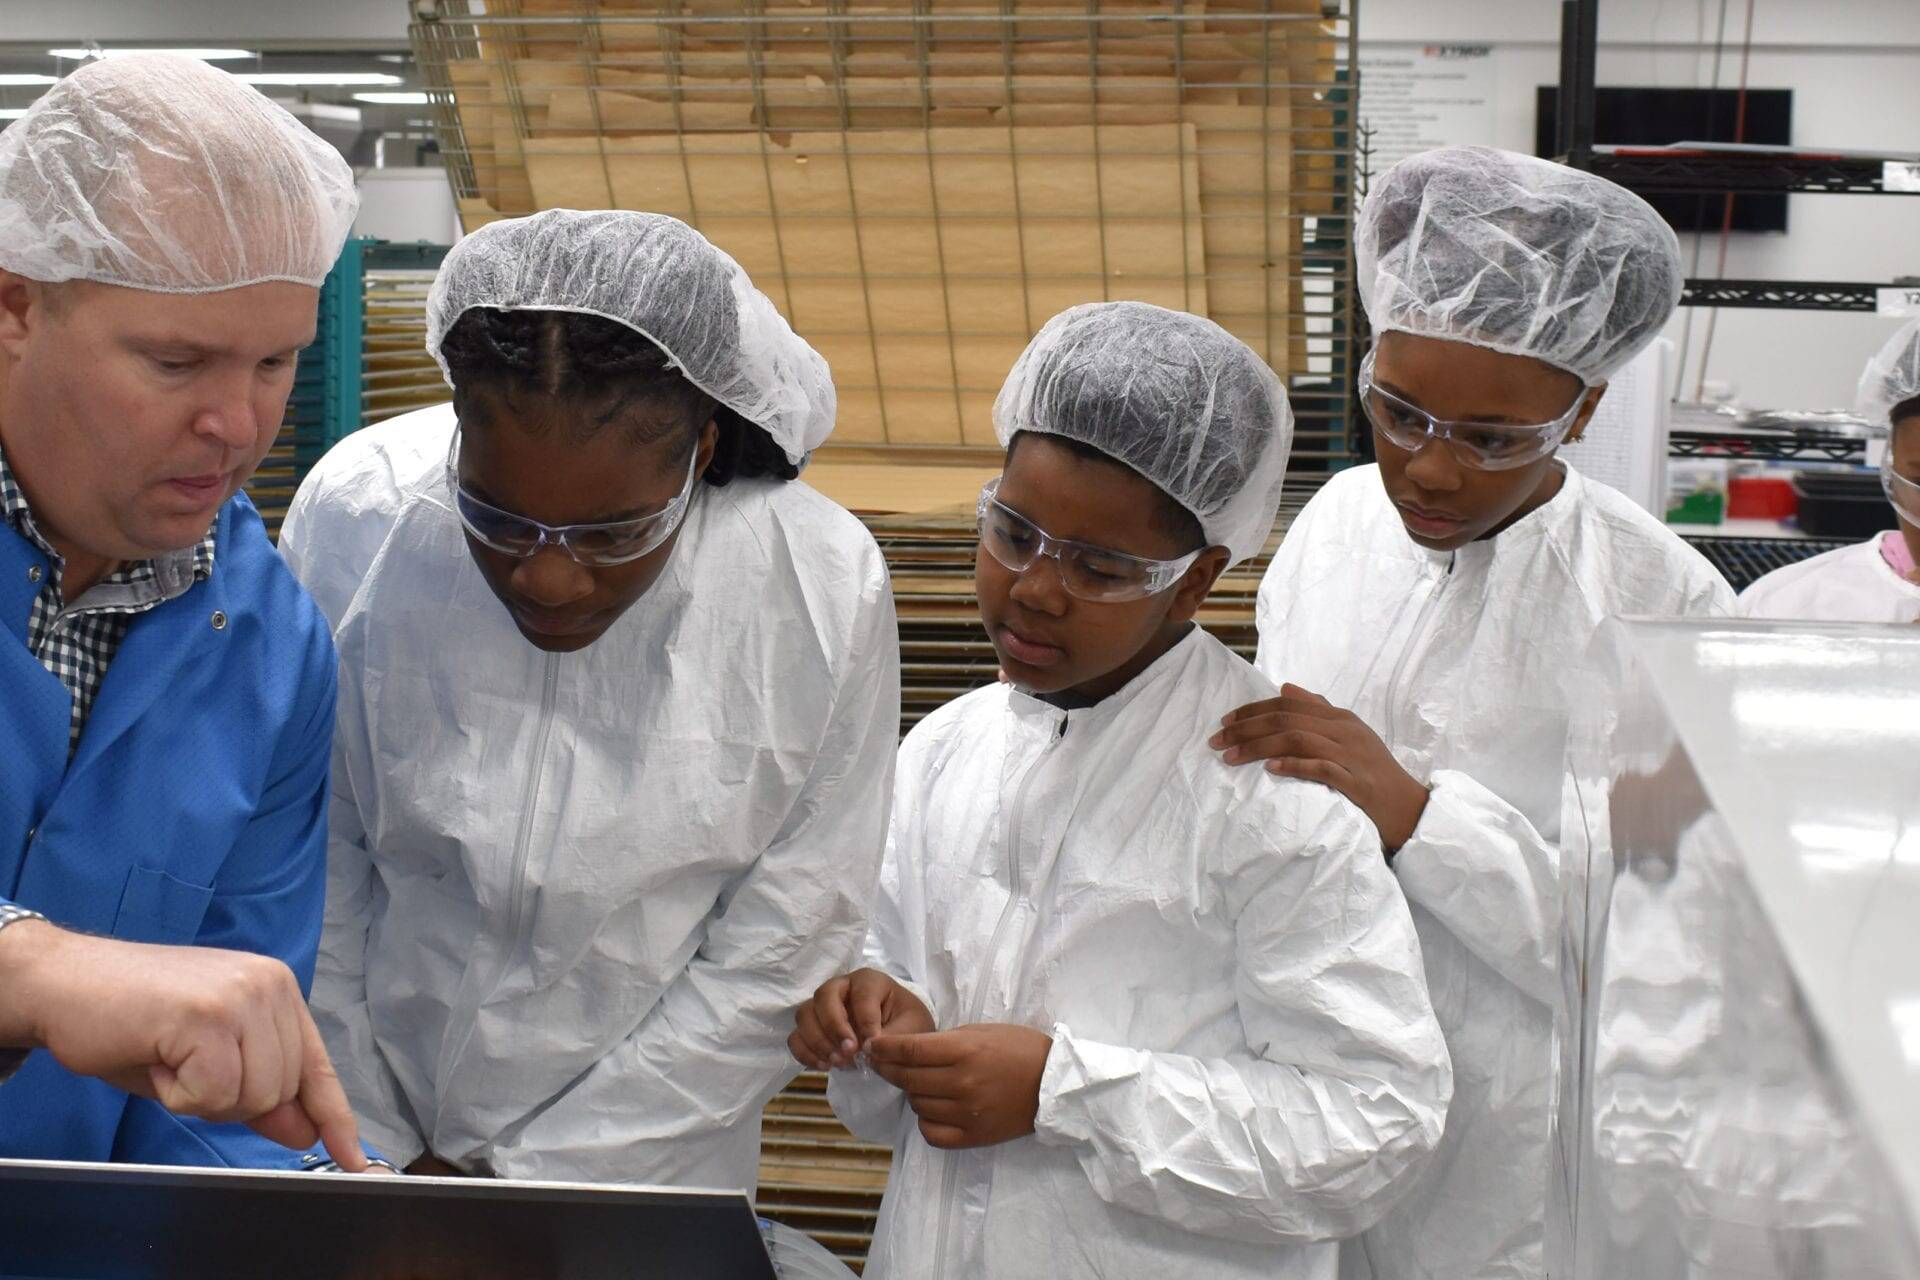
1761	498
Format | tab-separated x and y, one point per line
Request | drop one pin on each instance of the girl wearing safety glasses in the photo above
1422	614
1876	580
618	703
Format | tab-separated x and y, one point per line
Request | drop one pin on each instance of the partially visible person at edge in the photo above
619	699
1423	617
1875	580
166	688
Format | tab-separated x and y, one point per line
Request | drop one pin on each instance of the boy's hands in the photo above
850	1010
971	1087
1302	735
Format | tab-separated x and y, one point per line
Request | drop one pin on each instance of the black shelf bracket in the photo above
1828	446
1783	295
1718	173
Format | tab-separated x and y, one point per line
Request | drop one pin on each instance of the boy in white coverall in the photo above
1181	1027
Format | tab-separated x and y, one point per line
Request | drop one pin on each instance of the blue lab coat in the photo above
194	811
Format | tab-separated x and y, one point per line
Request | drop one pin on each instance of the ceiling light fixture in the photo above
402	99
342	79
204	55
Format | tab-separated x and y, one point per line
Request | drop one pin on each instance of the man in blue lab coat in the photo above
166	688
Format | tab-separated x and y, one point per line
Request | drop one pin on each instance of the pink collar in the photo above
1894	550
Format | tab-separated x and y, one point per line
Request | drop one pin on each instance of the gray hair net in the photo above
1175	397
1517	255
664	280
159	172
1892	377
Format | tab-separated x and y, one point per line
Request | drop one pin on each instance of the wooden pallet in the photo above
817	1177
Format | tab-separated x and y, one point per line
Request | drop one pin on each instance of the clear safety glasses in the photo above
1480	445
1088	572
617	542
1903	493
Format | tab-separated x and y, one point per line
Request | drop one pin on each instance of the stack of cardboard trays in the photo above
918	191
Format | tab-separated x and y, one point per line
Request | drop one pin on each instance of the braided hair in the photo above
606	372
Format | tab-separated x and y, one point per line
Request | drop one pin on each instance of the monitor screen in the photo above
127	1222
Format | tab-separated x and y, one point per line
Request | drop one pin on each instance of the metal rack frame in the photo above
1783	295
1720	173
530	46
339	375
1761	446
1744	561
334	391
1710	173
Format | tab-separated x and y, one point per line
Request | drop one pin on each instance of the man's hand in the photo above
971	1087
223	1035
850	1010
1302	735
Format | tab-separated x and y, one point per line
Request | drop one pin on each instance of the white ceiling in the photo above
313	24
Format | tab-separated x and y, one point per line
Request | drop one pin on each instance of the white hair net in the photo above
1892	377
1175	397
662	279
159	172
1518	255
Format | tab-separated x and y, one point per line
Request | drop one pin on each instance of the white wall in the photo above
1854	67
407	204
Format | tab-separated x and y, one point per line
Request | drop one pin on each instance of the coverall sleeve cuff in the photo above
921	994
375	1164
1070	1087
1455	818
397	1146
